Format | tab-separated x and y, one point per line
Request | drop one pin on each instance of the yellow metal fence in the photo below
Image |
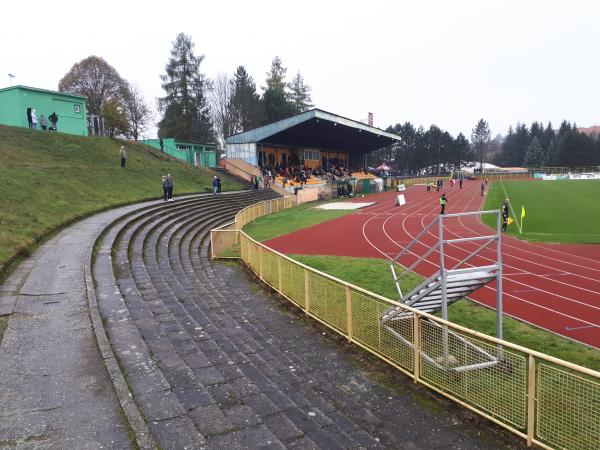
546	401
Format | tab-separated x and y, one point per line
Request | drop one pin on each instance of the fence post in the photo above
416	348
531	402
279	273
349	313
306	296
260	262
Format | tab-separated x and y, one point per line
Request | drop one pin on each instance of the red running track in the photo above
554	286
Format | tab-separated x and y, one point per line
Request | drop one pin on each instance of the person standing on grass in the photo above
169	184
164	186
53	119
29	121
34	119
215	185
443	203
504	215
123	156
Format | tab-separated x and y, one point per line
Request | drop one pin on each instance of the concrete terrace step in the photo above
214	364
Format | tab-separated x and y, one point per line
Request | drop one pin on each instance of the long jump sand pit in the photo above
345	205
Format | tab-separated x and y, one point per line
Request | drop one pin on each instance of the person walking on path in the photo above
219	186
43	122
164	186
123	156
504	215
443	203
169	184
29	121
215	185
34	119
53	120
460	183
482	188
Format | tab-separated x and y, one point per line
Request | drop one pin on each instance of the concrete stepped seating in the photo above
188	361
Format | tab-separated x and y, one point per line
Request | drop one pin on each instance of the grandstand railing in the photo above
547	401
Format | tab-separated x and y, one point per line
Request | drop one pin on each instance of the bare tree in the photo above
222	114
138	112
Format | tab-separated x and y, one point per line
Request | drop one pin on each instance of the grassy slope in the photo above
374	275
556	211
49	179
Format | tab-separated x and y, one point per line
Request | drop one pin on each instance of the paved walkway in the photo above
212	361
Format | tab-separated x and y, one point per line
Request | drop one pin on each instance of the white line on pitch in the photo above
580	328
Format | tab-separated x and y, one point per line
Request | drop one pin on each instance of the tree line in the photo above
539	145
194	107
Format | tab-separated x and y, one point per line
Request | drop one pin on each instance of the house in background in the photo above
194	153
70	108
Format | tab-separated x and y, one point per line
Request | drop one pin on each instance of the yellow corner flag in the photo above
522	216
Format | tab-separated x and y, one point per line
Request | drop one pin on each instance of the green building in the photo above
194	153
70	108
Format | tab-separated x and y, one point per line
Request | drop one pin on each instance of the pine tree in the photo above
300	94
275	98
245	101
480	138
534	157
186	113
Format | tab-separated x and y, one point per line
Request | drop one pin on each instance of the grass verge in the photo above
3	325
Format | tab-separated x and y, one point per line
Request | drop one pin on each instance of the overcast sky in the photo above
443	62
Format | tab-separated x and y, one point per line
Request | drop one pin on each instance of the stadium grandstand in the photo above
314	150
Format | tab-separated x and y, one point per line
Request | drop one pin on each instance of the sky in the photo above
447	63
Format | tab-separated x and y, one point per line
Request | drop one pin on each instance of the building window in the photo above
77	108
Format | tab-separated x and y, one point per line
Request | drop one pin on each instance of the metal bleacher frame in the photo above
448	285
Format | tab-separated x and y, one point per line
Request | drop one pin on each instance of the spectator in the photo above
218	184
29	121
34	119
169	183
123	156
482	188
43	122
215	185
53	120
164	186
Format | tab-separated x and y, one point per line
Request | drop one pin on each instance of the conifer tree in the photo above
300	94
534	157
480	138
185	108
245	101
275	98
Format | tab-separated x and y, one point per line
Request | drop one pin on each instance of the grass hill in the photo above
48	180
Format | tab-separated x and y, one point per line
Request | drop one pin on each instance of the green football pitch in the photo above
555	211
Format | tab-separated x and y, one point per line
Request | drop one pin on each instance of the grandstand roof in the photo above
318	129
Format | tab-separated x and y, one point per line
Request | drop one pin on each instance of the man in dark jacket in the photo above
29	119
53	118
504	214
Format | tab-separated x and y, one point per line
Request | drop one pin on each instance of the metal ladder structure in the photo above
446	286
